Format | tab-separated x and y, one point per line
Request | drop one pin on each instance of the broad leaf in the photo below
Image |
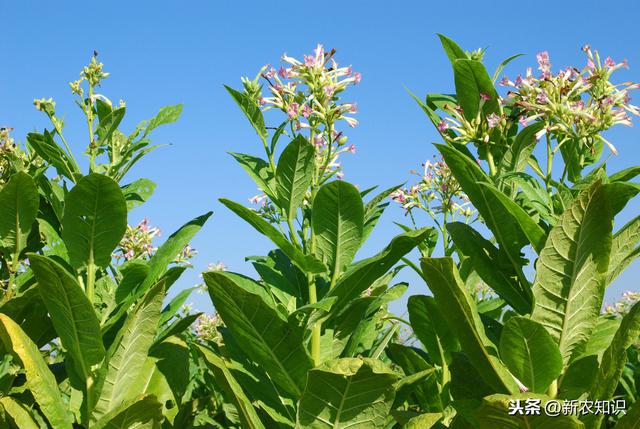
18	412
166	115
260	172
40	381
625	248
494	413
338	221
530	353
127	355
471	80
19	202
71	312
137	192
571	270
305	262
461	315
451	48
350	392
94	221
294	175
430	327
47	149
517	154
139	413
260	330
251	110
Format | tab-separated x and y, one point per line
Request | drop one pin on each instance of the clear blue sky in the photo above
166	52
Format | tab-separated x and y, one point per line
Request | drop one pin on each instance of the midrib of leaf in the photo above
342	400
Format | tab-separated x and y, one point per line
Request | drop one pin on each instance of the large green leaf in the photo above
352	392
232	389
166	115
19	413
471	80
490	265
139	413
19	203
94	220
613	362
260	172
294	174
305	262
40	381
430	327
530	353
571	271
47	149
260	330
462	317
516	156
624	248
364	273
451	48
128	353
338	222
71	312
494	414
251	110
137	192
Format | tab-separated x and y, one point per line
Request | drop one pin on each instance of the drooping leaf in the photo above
430	327
349	392
613	362
94	221
126	356
47	149
530	353
260	172
338	221
306	263
471	80
251	111
137	192
71	312
19	202
502	65
232	389
294	174
40	381
143	412
364	273
460	313
494	413
625	248
260	330
18	412
411	362
571	271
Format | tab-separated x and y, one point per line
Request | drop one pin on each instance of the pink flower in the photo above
357	77
493	120
318	141
442	126
340	175
523	121
349	71
271	73
329	90
352	122
353	108
542	98
307	111
309	60
399	196
261	101
518	81
609	62
484	96
351	148
283	73
543	63
505	81
292	110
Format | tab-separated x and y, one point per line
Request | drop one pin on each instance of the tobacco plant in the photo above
547	247
85	341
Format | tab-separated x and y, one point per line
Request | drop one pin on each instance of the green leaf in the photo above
139	413
305	262
126	356
364	273
613	362
19	413
294	174
166	115
47	149
500	67
261	331
232	389
109	124
40	381
530	353
350	392
471	80
488	262
624	249
411	362
430	327
461	315
494	413
423	421
631	420
451	48
571	270
338	222
19	202
94	220
138	192
260	172
71	312
251	110
600	338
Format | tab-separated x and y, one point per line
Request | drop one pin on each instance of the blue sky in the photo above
163	52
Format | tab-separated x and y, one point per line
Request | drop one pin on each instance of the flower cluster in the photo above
206	328
93	74
574	105
11	156
437	193
622	307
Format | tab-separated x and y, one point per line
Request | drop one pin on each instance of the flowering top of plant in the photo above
620	308
12	158
574	105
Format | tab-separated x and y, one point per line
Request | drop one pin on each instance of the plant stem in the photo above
552	391
492	165
91	278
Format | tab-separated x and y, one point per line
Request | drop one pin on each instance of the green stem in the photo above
552	391
492	165
91	279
